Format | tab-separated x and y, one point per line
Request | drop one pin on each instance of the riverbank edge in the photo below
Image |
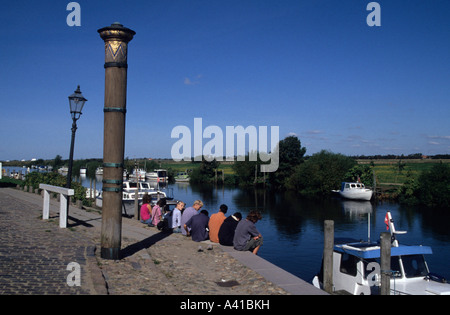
134	231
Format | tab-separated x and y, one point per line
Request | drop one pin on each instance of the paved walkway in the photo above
35	255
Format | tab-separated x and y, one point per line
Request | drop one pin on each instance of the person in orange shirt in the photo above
215	222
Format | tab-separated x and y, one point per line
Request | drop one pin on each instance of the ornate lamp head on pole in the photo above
116	39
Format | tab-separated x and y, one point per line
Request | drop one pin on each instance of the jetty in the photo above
38	256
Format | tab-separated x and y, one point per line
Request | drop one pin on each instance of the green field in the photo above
395	172
388	172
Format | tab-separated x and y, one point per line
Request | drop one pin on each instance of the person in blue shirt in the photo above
189	213
197	226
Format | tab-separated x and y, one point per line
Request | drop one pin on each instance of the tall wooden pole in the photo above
328	256
385	262
116	39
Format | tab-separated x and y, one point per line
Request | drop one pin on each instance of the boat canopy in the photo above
372	250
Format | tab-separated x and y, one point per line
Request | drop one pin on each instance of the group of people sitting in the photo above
196	223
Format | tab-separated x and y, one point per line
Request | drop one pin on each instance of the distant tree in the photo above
407	193
362	171
205	173
434	186
291	155
321	173
245	171
57	162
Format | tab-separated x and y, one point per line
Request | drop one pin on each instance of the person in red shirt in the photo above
215	222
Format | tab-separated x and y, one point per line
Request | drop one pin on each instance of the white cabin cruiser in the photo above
160	175
356	268
138	174
354	191
129	190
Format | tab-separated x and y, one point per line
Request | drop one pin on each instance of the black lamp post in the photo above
76	103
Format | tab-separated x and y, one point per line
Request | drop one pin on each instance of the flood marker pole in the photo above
116	38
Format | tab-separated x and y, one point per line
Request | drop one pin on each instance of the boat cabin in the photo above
355	191
356	270
347	186
130	186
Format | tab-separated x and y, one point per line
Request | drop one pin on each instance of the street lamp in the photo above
76	103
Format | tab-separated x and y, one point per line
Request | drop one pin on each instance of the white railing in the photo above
64	193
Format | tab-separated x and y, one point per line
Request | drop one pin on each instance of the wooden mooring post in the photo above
328	256
385	253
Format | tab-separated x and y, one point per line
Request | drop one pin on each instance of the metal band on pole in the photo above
114	110
113	165
112	181
112	189
116	65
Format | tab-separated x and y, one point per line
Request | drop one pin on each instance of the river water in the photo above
292	227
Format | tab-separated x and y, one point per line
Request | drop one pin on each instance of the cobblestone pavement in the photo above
34	256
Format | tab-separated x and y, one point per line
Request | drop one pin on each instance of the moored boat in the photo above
356	268
138	174
129	191
354	191
182	177
99	171
159	175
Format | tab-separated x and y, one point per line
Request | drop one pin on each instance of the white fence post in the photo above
63	211
46	210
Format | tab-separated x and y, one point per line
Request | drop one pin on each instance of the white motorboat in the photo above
138	174
182	177
129	190
354	191
63	170
160	175
356	268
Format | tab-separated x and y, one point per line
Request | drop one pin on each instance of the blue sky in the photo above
312	67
